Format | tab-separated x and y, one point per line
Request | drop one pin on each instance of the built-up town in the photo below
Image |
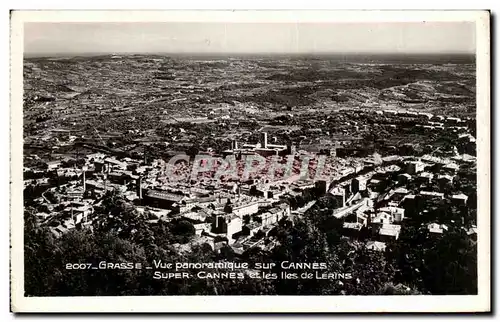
373	195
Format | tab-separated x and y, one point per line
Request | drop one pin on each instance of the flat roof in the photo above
432	193
353	225
388	232
164	195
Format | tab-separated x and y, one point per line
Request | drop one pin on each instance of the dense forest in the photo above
416	264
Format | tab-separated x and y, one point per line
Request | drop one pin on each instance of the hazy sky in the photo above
421	37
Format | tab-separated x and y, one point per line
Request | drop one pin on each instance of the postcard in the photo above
250	161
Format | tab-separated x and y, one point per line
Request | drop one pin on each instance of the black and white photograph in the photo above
227	153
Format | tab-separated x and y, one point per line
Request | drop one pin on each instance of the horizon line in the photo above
325	53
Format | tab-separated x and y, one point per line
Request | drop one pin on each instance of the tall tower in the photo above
138	183
84	180
263	140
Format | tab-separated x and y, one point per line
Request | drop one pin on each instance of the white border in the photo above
481	302
248	16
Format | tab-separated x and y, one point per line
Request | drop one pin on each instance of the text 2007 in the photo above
78	265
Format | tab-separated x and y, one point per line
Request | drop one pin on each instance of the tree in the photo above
39	247
183	230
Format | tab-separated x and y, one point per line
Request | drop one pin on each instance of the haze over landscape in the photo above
241	38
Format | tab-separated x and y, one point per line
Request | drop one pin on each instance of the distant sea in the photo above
385	58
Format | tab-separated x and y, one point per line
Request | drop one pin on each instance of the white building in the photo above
376	245
414	167
459	199
389	232
397	212
436	229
